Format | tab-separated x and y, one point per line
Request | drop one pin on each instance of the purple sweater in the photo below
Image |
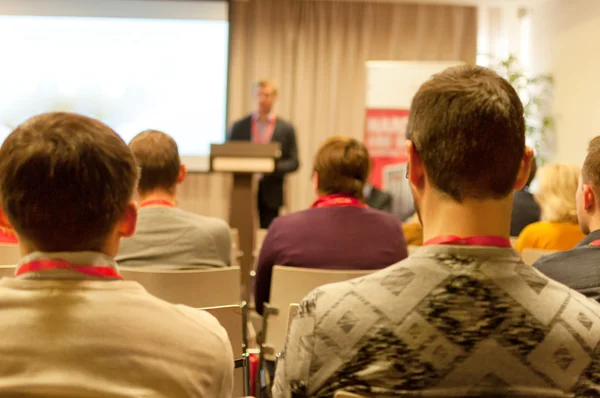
348	238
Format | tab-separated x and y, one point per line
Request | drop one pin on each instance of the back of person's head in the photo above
466	128
341	166
157	156
66	181
588	191
556	192
590	172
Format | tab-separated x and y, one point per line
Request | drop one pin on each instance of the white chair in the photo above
290	285
7	271
233	318
9	254
530	256
195	288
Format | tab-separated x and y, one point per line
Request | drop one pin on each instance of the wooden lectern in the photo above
244	160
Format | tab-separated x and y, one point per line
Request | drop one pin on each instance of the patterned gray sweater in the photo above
447	321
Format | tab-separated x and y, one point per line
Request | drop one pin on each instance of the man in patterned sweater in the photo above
463	316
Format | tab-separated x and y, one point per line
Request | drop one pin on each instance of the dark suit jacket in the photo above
577	268
379	200
270	190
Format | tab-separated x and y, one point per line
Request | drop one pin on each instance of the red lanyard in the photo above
266	138
157	202
338	200
47	265
595	243
469	241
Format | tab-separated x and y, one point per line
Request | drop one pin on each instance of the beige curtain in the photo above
316	52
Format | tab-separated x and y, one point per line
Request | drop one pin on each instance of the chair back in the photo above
290	285
9	254
530	256
194	288
7	271
231	317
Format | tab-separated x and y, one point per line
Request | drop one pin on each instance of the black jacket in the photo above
576	268
270	190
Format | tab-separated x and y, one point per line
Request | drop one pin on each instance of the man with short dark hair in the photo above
463	315
525	209
166	236
339	231
261	127
70	326
578	268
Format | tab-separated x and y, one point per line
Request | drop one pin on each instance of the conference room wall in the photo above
565	42
316	51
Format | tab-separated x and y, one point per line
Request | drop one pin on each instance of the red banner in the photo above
384	138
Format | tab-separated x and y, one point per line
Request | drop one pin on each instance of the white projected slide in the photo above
132	73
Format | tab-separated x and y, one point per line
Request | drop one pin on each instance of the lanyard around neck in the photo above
496	241
338	200
268	133
48	265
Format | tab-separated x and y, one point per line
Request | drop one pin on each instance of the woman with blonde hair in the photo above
558	228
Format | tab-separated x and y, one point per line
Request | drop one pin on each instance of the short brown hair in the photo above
65	180
265	83
467	125
590	172
157	156
342	165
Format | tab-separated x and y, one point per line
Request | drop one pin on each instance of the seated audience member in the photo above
578	268
70	326
375	198
558	229
166	236
463	315
525	209
339	231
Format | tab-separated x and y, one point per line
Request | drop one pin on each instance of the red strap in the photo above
595	243
46	265
266	138
157	202
338	200
469	241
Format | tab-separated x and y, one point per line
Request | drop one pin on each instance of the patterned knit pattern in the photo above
448	321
